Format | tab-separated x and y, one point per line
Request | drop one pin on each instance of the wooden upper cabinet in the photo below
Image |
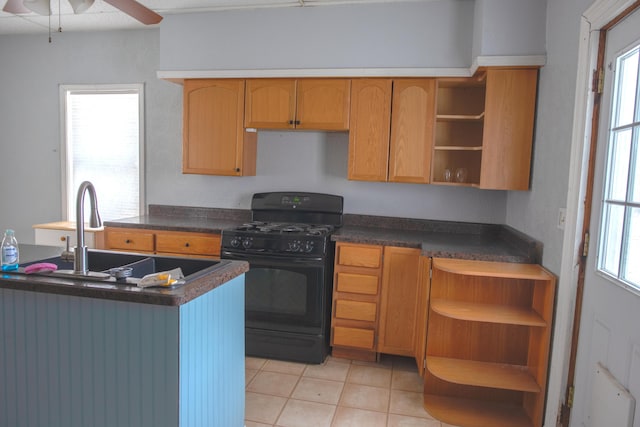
413	111
320	104
270	103
369	129
391	130
214	140
508	128
323	104
484	129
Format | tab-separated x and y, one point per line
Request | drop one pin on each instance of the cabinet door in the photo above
412	122
188	244
323	104
399	301
508	128
129	239
270	104
369	129
213	139
422	314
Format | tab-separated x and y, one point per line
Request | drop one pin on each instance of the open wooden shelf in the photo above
488	343
458	137
509	270
475	413
460	117
483	374
491	313
457	148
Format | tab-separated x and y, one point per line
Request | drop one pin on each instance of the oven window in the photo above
277	291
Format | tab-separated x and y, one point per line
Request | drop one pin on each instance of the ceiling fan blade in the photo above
15	7
41	7
136	11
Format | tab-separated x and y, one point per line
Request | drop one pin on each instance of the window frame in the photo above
64	89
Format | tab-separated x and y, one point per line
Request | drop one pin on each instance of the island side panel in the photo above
72	361
212	358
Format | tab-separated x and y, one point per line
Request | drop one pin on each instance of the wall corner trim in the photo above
177	76
508	61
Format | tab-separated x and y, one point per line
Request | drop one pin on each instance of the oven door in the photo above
284	294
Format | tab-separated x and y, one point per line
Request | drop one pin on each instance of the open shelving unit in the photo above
488	343
460	111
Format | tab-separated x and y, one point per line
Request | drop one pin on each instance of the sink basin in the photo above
97	261
106	265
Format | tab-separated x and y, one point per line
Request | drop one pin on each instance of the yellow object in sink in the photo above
163	278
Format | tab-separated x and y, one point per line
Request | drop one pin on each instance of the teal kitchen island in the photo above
78	354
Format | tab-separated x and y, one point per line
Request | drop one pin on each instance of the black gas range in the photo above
289	283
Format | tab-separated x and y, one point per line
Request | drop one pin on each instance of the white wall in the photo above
412	34
536	212
507	27
32	70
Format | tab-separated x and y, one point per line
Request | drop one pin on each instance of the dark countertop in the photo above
181	218
444	239
111	291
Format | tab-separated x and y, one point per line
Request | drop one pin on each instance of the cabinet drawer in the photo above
356	310
130	241
188	244
357	283
353	337
360	256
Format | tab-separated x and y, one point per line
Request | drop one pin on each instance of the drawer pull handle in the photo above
127	241
186	244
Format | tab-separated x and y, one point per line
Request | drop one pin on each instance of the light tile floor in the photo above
337	393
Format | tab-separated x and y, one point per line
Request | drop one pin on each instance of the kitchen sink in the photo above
127	268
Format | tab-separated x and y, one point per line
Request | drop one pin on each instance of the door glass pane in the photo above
632	253
619	165
628	69
612	236
635	180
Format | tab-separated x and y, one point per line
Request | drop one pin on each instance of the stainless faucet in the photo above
82	251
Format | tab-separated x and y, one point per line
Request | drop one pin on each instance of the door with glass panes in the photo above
610	323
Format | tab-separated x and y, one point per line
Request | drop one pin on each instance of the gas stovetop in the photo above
285	228
286	224
277	238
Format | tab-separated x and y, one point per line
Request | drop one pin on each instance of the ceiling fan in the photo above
43	7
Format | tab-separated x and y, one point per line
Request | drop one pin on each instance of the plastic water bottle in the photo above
10	254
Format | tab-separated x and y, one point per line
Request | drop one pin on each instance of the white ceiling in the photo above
102	16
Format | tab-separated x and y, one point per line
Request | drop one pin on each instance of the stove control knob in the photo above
308	246
235	242
247	243
294	246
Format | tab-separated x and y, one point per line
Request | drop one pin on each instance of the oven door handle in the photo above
276	258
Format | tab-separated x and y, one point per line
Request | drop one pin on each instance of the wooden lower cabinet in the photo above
399	301
129	239
377	305
488	343
174	243
356	298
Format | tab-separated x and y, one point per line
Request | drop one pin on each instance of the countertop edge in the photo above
112	291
